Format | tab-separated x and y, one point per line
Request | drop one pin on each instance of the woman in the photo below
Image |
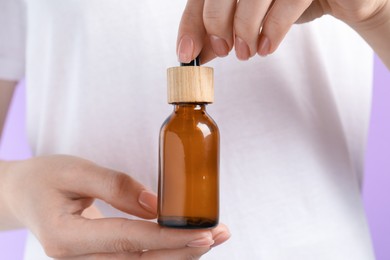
293	125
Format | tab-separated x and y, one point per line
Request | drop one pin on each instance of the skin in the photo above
52	196
214	27
54	201
6	91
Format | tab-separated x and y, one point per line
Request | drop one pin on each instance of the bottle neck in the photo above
189	107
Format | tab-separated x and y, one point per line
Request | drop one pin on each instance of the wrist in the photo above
3	182
7	219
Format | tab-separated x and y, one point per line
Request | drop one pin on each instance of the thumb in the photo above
81	236
116	188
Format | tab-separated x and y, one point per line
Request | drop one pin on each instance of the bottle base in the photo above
187	222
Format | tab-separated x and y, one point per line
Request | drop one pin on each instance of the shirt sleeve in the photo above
12	39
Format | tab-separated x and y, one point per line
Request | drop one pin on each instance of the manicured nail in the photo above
186	49
148	201
202	242
264	46
221	237
242	49
219	45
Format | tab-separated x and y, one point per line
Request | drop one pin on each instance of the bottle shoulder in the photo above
199	121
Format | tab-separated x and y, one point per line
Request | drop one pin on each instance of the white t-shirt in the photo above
293	125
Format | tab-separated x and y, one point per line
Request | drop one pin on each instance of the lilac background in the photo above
376	187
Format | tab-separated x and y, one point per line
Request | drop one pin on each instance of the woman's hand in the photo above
49	194
258	26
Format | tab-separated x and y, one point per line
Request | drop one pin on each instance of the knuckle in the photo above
214	22
54	248
190	17
53	235
189	13
244	24
275	30
125	245
213	16
275	22
192	257
196	253
73	164
118	185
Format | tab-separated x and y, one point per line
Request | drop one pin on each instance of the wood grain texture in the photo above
192	84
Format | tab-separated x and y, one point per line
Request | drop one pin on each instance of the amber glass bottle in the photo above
189	153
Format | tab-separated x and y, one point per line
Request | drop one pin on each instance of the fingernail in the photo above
202	242
242	49
264	46
186	49
148	200
219	45
220	238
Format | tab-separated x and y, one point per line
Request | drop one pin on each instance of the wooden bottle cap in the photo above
190	84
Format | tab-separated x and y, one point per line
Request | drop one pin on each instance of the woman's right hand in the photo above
212	28
49	194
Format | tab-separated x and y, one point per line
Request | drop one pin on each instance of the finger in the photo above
184	253
79	236
218	16
247	22
220	234
207	53
115	188
315	10
277	23
191	31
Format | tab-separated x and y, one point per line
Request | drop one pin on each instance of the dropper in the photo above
195	62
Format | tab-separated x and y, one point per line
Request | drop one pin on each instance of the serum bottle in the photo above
188	189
